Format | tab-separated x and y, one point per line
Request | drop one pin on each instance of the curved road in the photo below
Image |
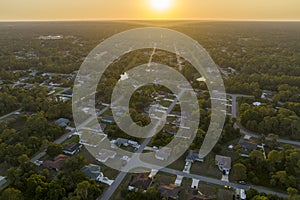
234	114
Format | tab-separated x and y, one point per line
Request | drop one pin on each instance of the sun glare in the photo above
161	5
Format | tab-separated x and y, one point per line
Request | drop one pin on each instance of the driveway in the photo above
178	180
195	183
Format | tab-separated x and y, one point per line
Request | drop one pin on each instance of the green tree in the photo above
240	171
54	149
74	163
258	197
293	193
11	194
256	157
152	193
36	187
55	190
251	193
82	190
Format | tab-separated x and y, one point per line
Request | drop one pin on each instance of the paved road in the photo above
58	141
205	179
255	135
90	119
109	192
67	135
234	113
9	114
234	108
222	183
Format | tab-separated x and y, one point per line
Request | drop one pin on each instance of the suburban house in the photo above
194	194
57	163
105	154
224	163
246	144
91	138
72	148
122	142
141	181
126	142
107	119
92	171
194	156
62	122
163	153
169	191
133	143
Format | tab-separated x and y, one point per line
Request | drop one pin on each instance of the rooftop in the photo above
195	195
105	154
56	163
223	161
62	122
92	171
141	181
169	191
74	146
247	145
194	156
163	153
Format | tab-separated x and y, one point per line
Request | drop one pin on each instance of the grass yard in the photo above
207	168
164	178
217	192
178	164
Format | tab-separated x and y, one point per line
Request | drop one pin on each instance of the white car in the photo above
38	162
126	158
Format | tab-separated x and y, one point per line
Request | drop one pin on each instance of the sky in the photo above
19	10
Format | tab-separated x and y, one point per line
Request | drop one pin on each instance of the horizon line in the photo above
150	19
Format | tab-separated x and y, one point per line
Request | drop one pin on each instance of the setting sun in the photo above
161	5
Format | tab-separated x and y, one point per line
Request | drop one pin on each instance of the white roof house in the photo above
105	154
163	153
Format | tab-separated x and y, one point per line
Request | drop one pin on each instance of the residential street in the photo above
109	192
234	113
9	114
58	141
222	183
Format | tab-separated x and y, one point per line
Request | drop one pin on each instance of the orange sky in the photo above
140	9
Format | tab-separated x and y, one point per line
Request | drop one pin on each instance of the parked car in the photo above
38	162
242	182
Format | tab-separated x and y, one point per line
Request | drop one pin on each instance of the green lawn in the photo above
217	192
163	178
178	164
207	168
